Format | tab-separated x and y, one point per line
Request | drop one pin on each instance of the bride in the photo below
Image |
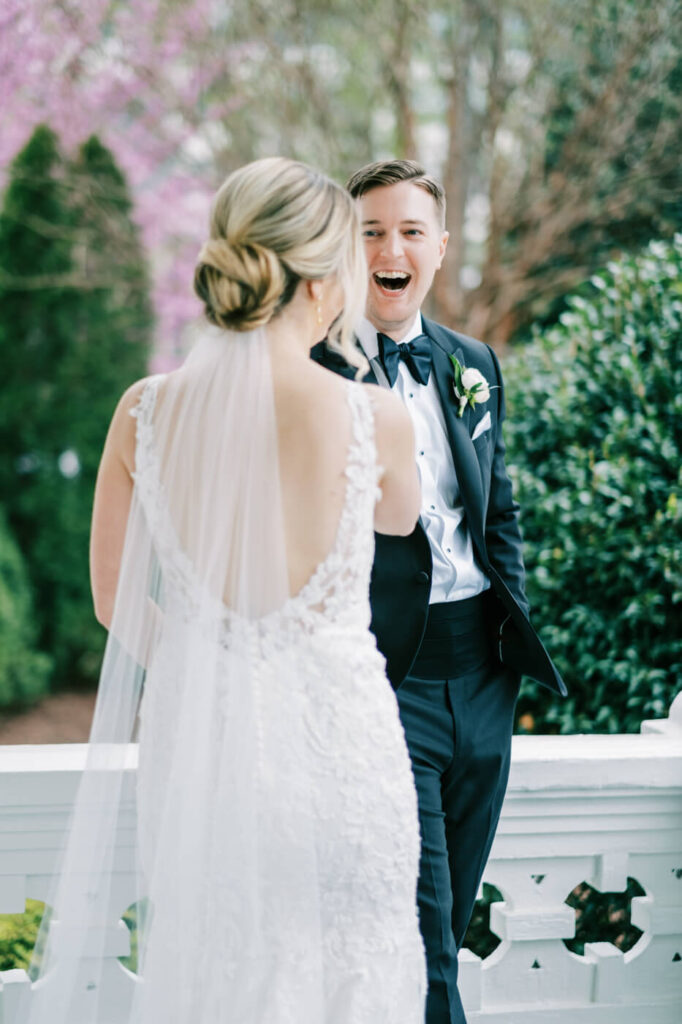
275	842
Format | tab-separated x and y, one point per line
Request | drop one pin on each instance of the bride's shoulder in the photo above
123	429
131	396
130	400
389	410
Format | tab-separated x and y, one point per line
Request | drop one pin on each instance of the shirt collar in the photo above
367	335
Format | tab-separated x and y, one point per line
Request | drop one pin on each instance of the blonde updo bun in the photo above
274	223
240	284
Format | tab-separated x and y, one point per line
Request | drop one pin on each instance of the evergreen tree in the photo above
109	350
74	324
24	672
36	317
115	324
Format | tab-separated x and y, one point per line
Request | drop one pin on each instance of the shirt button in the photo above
421	453
449	550
432	507
410	395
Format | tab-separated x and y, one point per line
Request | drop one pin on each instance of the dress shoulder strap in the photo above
143	413
362	413
362	457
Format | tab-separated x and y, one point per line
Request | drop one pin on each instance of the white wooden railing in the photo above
593	809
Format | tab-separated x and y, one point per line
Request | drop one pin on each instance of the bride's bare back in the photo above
314	429
314	432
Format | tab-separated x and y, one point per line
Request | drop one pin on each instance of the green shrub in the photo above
594	436
24	672
604	917
599	917
75	325
18	933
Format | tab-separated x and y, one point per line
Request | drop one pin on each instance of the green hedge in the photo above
18	933
68	350
24	672
594	436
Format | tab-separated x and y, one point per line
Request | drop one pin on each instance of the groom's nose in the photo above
393	244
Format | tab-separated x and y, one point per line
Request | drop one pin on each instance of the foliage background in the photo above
554	126
24	671
594	435
75	326
556	131
18	933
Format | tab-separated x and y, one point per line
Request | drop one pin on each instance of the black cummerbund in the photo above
458	637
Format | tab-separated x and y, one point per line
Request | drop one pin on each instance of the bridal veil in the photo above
190	659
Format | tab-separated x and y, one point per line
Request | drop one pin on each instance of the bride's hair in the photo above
275	222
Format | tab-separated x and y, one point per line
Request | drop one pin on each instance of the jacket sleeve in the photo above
502	532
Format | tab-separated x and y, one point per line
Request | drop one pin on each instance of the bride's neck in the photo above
291	335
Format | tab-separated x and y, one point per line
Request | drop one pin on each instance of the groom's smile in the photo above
404	244
392	280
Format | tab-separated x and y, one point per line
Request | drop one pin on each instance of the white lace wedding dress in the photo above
282	848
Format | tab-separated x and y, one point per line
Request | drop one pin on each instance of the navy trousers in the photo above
457	709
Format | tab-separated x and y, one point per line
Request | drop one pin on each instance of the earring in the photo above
319	314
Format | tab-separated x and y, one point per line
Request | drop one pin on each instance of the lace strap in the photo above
362	415
143	413
363	452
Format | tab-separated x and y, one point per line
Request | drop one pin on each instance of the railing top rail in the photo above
651	759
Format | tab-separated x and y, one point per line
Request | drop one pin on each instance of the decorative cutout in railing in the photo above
604	917
479	938
579	809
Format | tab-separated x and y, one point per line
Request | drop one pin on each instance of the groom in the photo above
448	604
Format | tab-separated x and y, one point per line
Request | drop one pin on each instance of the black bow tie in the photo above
416	355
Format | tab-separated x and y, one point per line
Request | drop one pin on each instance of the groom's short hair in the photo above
390	172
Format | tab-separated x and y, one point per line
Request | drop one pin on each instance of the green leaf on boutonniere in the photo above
460	391
458	372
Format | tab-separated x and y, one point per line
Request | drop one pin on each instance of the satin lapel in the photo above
463	453
332	360
370	377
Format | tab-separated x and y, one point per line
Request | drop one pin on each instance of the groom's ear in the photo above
442	246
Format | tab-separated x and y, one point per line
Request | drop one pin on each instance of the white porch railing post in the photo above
12	984
37	788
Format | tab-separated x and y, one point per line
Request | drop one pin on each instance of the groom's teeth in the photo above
392	279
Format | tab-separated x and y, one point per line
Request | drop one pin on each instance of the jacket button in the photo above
422	577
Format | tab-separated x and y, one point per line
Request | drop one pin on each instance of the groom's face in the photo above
405	244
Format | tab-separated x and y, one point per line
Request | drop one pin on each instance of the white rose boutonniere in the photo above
471	387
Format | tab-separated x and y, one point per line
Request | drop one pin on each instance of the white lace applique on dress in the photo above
317	722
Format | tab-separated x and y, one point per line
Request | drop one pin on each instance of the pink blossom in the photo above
134	74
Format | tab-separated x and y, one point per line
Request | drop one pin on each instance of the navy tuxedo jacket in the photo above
401	576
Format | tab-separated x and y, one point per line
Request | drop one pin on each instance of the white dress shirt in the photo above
455	572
